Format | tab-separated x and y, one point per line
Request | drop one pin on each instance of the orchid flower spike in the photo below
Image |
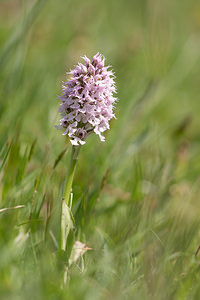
87	101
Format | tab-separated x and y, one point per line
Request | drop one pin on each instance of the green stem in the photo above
72	168
67	189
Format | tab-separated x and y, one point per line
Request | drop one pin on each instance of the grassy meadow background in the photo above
136	196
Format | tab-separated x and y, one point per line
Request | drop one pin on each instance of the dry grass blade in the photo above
10	208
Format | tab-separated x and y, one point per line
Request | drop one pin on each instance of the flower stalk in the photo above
66	216
70	177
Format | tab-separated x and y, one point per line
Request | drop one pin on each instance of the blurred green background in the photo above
136	196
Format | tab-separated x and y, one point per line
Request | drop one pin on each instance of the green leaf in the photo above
5	155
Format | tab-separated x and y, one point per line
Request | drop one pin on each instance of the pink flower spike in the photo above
87	101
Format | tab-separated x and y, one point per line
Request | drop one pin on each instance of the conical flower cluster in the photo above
87	102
